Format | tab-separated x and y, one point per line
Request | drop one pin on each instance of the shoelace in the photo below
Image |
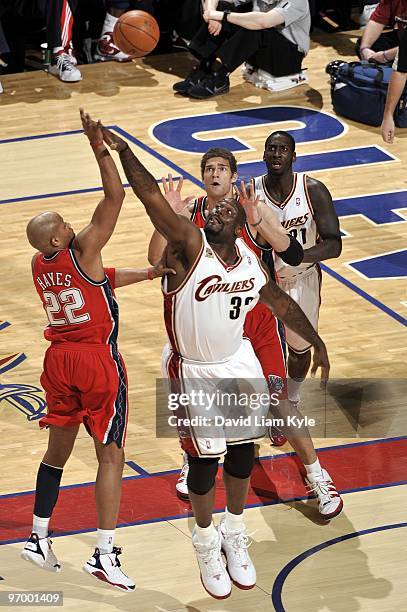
240	543
322	487
211	557
64	62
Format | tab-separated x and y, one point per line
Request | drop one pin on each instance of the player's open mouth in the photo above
276	164
214	219
215	184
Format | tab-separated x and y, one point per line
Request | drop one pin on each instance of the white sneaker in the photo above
106	50
214	577
322	487
39	552
106	567
1	88
181	487
239	564
63	66
264	80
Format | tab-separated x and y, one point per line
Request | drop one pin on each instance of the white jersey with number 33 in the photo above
297	217
204	317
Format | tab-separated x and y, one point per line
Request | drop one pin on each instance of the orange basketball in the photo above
136	33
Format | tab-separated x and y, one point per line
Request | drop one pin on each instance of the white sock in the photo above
56	50
204	535
105	540
233	522
314	469
109	23
40	526
294	385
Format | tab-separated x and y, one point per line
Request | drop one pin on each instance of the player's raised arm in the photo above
176	229
330	242
262	220
93	238
181	206
288	311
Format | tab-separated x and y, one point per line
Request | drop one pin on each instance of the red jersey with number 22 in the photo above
78	308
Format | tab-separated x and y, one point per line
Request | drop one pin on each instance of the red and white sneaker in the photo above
39	551
322	487
239	565
276	437
106	567
107	51
181	486
214	577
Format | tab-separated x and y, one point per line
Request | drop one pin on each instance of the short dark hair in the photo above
219	152
281	133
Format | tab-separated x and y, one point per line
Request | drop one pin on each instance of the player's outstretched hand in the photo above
160	270
113	141
250	203
173	195
92	129
321	360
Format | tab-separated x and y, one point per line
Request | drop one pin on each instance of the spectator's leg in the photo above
277	55
106	49
59	19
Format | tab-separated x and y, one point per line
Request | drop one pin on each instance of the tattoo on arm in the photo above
140	179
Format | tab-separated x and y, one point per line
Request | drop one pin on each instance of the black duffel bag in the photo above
358	92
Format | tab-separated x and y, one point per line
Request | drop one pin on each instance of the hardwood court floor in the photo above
361	322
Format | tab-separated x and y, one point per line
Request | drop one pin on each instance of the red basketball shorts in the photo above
261	327
86	384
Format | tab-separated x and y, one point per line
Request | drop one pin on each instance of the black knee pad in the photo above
239	460
202	474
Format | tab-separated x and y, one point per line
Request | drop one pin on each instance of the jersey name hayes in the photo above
296	221
54	279
211	284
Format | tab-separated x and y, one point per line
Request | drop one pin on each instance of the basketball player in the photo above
305	209
219	174
263	228
84	375
218	281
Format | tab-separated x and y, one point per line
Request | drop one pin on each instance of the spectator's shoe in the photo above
212	85
63	66
239	565
1	88
181	487
107	51
194	78
178	42
322	487
276	437
106	567
39	551
214	576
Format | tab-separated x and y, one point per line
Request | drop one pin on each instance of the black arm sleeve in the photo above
294	255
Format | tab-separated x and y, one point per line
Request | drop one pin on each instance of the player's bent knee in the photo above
201	474
239	460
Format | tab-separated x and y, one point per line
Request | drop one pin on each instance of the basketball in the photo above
136	33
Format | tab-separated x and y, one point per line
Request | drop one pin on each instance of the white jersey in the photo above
204	317
297	217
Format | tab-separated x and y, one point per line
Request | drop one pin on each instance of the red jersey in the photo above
198	216
78	308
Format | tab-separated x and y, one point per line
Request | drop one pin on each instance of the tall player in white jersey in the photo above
304	206
218	280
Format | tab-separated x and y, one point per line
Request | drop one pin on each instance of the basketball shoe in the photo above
239	565
214	577
276	436
322	487
39	552
63	65
107	51
106	567
181	487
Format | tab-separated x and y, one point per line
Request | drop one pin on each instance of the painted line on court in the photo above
276	595
134	466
